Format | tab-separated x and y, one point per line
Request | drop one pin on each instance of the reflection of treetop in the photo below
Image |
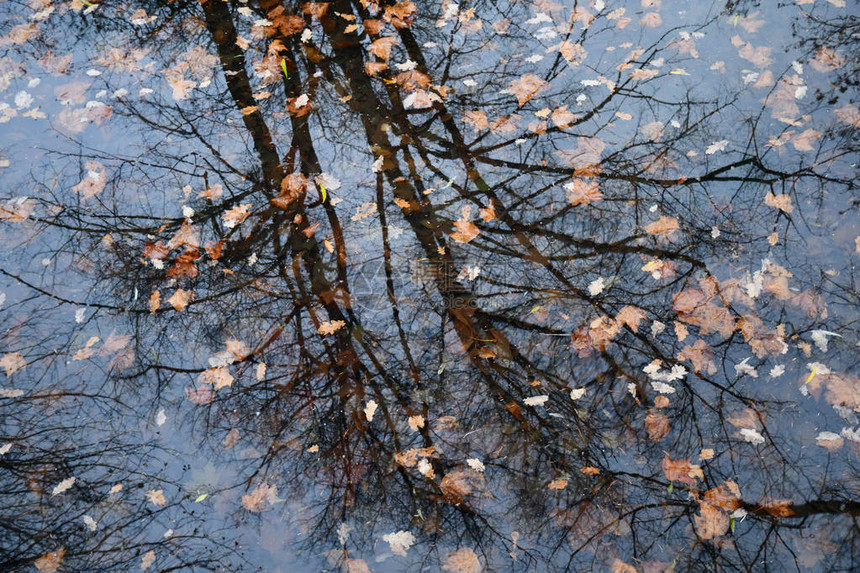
487	281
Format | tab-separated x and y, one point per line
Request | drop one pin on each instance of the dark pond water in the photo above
419	286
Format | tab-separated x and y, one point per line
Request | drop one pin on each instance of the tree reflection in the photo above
549	332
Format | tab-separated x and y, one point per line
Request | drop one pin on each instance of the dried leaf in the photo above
776	507
147	560
557	484
526	87
330	327
180	299
218	377
781	202
657	425
263	496
12	362
50	562
463	560
711	521
400	542
583	192
681	470
156	496
63	486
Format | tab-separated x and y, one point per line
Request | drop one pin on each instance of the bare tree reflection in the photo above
553	346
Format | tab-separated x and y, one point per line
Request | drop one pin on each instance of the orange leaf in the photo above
50	562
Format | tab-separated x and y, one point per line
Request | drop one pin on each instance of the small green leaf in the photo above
732	524
671	488
324	193
535	309
284	67
737	17
201	497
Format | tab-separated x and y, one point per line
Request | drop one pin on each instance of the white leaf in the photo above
90	523
63	486
160	418
716	146
819	337
343	533
370	410
536	400
596	286
577	393
400	542
662	388
744	368
475	464
752	436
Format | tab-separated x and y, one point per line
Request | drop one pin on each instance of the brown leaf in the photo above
200	396
236	215
803	141
180	299
657	425
619	566
700	355
776	507
17	210
726	496
526	87
745	418
330	327
147	560
664	226
154	301
557	484
827	60
355	566
50	562
463	560
381	48
630	316
400	14
583	192
711	521
456	486
681	470
217	377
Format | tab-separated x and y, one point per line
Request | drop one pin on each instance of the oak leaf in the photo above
330	327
